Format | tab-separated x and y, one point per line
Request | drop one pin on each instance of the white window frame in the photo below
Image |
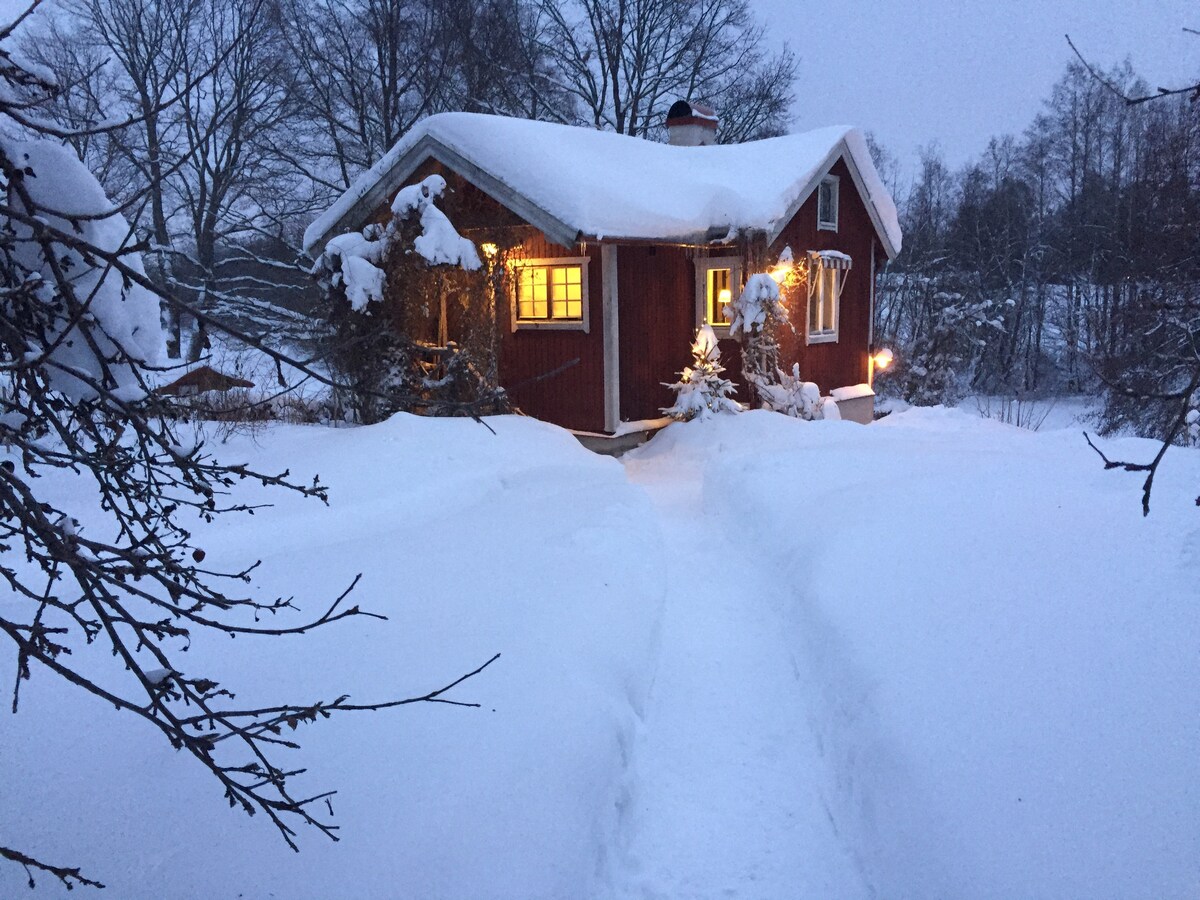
816	288
519	324
704	265
834	185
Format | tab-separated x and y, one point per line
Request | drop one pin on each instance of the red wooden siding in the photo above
844	362
574	398
656	316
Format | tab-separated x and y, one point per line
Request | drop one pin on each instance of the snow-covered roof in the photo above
577	183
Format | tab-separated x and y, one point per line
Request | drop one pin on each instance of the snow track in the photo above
729	783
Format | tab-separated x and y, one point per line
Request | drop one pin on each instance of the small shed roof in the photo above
204	378
578	183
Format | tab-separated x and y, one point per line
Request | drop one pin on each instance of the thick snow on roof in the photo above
604	185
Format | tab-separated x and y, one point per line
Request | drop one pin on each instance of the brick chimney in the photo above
691	124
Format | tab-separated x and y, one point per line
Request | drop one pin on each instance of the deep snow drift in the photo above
763	658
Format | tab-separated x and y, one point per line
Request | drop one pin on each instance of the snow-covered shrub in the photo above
942	360
439	243
1192	423
351	263
702	389
791	395
387	290
757	314
757	308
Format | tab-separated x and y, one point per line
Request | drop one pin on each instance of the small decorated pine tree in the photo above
702	389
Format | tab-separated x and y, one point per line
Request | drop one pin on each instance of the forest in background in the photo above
1062	260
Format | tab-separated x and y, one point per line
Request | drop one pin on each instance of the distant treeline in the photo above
1066	259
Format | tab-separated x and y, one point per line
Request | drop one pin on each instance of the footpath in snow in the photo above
728	784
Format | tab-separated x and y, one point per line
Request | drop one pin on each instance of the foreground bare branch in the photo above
79	323
68	876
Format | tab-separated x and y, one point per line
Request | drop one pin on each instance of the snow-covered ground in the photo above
761	658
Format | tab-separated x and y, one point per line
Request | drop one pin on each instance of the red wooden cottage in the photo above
627	245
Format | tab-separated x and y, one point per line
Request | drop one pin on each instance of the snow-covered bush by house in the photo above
438	243
702	389
791	395
1192	421
353	262
758	308
387	289
757	313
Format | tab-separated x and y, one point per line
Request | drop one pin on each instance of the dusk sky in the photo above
958	72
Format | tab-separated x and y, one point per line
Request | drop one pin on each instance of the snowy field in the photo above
760	658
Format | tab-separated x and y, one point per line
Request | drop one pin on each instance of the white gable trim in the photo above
841	150
429	147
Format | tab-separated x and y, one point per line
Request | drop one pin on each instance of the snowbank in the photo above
933	657
521	543
999	652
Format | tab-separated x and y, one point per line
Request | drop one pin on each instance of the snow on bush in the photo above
757	308
353	261
702	389
757	313
1193	426
439	243
121	328
791	395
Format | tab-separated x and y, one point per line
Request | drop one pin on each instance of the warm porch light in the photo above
882	359
489	250
782	269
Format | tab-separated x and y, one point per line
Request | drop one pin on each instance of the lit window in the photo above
717	296
718	281
826	277
532	293
551	293
827	204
